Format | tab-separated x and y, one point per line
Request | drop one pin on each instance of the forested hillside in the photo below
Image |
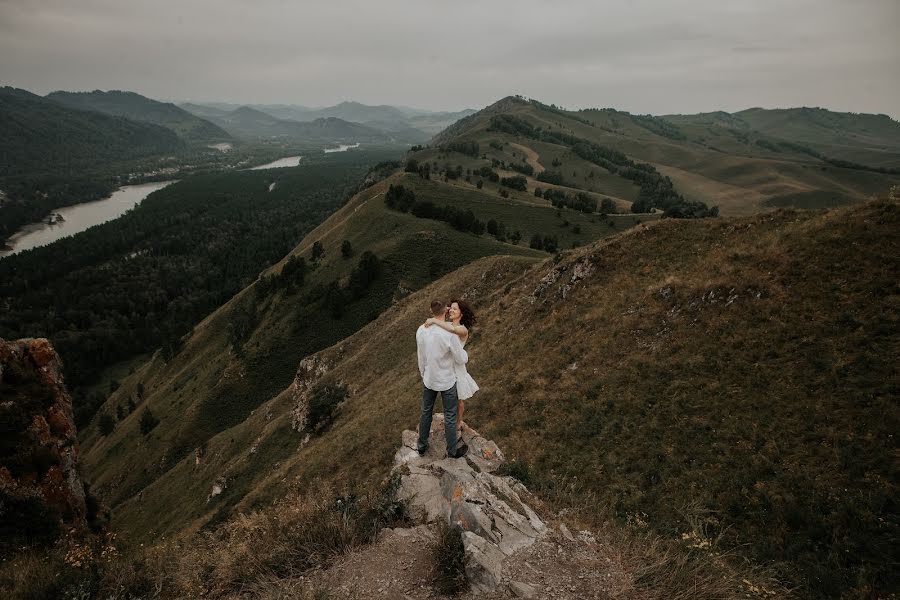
139	108
38	136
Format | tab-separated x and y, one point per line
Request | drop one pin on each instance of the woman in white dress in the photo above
461	319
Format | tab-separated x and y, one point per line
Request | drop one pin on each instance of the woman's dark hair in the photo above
467	317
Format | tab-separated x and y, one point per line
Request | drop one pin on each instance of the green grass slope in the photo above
728	379
130	105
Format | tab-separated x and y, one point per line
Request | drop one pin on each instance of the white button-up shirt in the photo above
439	351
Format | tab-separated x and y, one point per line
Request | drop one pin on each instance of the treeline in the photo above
657	190
403	199
781	145
142	281
659	126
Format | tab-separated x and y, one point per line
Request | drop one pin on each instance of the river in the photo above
81	216
341	148
288	161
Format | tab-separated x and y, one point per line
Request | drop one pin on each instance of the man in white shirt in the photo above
439	351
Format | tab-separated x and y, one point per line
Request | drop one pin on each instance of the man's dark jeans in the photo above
449	400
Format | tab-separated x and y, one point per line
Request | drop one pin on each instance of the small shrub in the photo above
448	560
517	469
322	404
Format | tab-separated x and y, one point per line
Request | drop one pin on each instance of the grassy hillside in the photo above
731	380
130	105
717	158
216	380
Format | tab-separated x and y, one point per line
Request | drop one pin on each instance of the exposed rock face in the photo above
309	372
40	489
467	492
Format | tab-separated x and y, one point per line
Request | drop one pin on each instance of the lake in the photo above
81	216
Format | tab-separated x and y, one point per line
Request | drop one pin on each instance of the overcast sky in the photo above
661	56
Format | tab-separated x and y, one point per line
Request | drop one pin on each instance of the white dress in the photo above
465	385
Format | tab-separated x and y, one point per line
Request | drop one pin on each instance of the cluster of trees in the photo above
548	243
551	176
516	182
580	201
523	168
399	198
489	173
291	277
140	282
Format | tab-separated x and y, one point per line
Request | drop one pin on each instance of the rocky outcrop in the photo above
40	489
489	508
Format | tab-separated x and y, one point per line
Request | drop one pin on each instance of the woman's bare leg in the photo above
459	414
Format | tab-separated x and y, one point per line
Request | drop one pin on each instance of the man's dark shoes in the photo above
422	451
461	451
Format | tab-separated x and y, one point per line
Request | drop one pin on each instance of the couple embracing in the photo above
442	365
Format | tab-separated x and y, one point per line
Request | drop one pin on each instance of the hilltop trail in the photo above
531	157
510	551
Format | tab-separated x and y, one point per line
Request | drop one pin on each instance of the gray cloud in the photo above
644	56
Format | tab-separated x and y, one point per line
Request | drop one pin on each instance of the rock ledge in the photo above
467	492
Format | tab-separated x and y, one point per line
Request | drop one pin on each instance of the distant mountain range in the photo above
403	123
248	123
188	126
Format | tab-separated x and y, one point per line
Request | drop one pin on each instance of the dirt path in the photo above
531	157
398	566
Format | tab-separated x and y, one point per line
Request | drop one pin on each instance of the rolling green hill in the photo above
133	106
716	158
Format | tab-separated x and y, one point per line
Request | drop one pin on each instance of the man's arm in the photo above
456	349
420	347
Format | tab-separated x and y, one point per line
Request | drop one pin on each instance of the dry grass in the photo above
259	555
